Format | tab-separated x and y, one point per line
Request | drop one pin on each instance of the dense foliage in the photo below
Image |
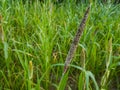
35	39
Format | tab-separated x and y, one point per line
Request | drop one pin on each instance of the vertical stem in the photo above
76	40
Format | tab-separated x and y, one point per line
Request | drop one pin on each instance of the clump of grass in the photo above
106	75
41	32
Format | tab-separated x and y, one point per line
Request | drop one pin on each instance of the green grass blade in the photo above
63	82
81	81
93	79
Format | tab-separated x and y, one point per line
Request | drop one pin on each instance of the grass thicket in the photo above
37	38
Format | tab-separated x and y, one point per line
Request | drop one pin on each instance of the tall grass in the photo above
38	35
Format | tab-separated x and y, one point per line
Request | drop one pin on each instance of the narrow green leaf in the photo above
5	78
93	79
81	81
63	82
87	80
6	50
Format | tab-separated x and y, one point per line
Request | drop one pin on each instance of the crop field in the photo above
36	36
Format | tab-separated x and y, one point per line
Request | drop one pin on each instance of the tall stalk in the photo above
76	40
